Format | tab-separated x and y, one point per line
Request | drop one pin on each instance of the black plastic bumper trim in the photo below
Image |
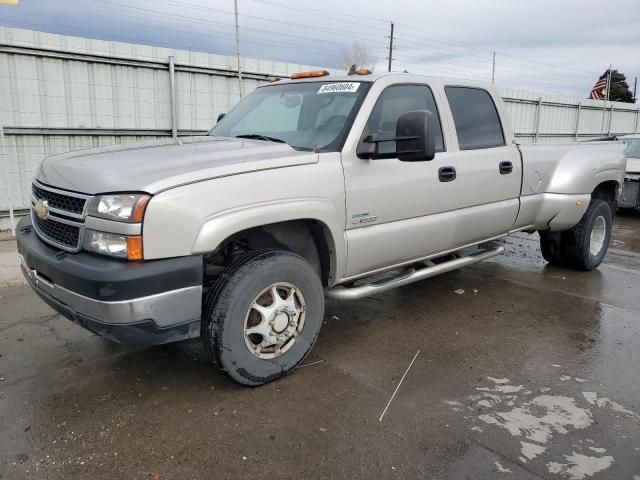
142	333
103	278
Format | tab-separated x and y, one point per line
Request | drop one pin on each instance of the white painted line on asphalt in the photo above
399	383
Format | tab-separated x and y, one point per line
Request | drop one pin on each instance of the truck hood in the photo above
633	165
158	165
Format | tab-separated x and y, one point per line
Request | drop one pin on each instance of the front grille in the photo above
60	234
63	222
59	201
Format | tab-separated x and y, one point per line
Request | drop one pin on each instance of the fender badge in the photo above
42	209
362	218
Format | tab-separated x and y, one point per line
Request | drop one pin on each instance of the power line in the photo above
251	40
453	72
441	69
423	37
469	57
471	47
340	32
446	40
170	16
484	62
474	59
440	48
324	13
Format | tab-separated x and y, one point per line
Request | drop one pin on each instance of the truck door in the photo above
396	211
489	168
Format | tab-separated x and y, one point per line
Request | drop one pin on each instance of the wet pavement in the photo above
531	372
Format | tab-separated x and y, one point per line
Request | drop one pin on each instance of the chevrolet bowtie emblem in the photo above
42	209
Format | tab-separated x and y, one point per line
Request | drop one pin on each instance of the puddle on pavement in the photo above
560	422
549	427
625	231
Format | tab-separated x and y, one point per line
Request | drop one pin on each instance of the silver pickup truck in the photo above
312	187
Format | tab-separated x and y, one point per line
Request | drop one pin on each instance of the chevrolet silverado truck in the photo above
311	187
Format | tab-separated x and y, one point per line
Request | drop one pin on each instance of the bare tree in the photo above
357	54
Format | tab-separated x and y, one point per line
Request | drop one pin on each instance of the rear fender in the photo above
581	170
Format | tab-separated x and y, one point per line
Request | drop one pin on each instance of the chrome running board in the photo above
340	292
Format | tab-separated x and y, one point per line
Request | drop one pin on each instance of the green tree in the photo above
619	89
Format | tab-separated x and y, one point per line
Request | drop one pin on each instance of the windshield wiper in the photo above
258	136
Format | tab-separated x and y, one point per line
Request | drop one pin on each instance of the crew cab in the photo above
311	187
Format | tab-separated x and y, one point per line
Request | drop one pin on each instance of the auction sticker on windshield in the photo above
339	87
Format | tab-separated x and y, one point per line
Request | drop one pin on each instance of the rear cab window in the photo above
475	117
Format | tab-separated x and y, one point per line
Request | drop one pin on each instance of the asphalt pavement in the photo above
521	371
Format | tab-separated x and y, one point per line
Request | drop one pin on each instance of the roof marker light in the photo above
359	71
309	74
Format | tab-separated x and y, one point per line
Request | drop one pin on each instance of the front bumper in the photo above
135	303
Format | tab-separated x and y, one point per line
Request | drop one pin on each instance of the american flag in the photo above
599	90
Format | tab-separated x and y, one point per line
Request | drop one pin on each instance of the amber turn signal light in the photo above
134	248
138	209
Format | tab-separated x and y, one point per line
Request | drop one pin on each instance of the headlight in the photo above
122	246
126	207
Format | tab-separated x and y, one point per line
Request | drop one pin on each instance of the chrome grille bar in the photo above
63	225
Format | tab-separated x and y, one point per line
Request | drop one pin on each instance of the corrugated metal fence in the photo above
61	93
539	118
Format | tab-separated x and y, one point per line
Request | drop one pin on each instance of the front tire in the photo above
584	246
263	316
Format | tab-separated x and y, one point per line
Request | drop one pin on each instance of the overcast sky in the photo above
552	46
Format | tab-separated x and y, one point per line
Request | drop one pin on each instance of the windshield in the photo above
633	147
306	115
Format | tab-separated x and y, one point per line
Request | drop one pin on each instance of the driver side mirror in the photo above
220	117
414	138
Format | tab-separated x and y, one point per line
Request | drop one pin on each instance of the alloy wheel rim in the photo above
274	320
598	234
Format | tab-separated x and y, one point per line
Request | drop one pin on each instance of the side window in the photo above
397	100
475	117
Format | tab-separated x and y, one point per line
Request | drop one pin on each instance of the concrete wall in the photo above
61	93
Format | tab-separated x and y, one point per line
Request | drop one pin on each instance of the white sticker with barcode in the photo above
339	87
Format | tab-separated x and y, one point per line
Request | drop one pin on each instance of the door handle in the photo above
506	168
447	174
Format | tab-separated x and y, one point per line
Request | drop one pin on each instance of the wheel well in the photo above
607	191
308	238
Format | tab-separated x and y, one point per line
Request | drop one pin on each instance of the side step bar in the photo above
340	292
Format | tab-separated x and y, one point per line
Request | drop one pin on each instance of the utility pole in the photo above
390	47
493	69
235	7
608	82
172	96
635	86
5	162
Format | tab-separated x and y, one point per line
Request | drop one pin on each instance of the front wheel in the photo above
263	317
584	246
